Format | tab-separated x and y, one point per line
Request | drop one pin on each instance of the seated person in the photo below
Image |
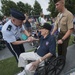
46	49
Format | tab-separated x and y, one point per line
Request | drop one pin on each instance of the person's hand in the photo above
34	65
32	39
28	40
59	41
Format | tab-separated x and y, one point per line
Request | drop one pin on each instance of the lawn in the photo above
71	40
9	66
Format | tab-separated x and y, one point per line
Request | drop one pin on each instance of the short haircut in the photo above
63	1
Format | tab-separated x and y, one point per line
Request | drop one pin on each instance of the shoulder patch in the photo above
9	28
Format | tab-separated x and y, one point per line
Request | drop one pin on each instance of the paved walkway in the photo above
5	53
70	62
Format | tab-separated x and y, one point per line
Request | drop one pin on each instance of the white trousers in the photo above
24	57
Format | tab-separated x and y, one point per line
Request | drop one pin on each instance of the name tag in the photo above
38	47
59	29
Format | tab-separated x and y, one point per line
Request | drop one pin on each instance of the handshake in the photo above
30	39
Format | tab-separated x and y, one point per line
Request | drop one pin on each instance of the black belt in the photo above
18	39
62	32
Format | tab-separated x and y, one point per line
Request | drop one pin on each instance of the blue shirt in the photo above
47	45
10	32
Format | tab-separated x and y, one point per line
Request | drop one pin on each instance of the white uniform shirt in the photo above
42	21
13	34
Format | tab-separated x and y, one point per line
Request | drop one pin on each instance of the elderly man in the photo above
46	49
11	32
64	25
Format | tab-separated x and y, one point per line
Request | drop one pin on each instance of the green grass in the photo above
9	66
71	40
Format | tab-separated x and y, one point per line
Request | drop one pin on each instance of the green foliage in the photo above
1	16
6	5
21	6
51	8
28	8
37	8
25	8
70	5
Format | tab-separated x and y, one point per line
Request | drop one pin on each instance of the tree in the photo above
51	8
70	5
1	16
6	6
21	6
37	8
25	8
28	8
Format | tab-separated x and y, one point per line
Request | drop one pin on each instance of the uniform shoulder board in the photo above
9	28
